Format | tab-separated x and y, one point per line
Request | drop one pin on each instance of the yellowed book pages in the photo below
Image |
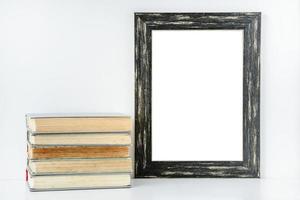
65	182
55	152
79	124
81	139
72	166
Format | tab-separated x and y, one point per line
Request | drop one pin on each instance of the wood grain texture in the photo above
144	24
78	152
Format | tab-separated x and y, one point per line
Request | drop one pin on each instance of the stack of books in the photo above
78	151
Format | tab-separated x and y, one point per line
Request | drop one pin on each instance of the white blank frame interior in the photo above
197	111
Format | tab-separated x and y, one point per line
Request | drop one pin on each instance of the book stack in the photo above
78	151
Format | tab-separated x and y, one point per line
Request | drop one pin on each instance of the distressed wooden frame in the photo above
144	24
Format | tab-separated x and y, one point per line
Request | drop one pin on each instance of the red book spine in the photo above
26	173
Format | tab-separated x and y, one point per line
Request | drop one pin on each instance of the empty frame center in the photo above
197	95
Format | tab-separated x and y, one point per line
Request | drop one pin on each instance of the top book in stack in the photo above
87	123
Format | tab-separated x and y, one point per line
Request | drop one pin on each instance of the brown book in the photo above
79	166
46	152
51	123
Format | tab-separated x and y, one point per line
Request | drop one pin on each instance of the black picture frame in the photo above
250	22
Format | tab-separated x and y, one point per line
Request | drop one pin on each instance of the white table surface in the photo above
143	189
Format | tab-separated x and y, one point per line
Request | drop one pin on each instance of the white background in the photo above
78	56
197	95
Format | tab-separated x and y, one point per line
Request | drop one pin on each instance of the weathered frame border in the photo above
144	24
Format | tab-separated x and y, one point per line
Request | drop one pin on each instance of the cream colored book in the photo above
81	139
79	166
71	182
77	123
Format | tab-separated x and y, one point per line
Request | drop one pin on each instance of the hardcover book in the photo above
79	166
80	139
55	123
78	181
47	152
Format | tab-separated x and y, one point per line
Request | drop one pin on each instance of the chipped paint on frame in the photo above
250	166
